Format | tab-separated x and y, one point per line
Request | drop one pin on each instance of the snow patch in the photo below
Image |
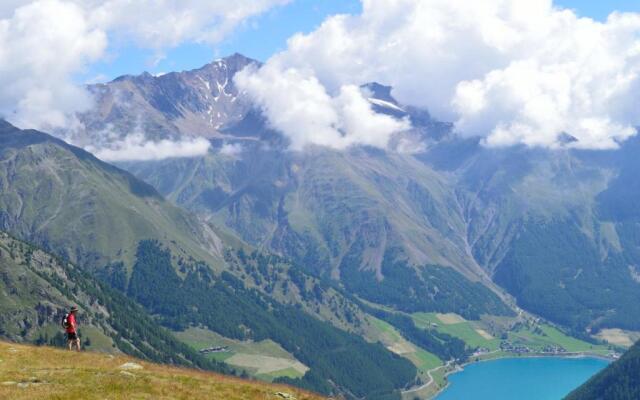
385	104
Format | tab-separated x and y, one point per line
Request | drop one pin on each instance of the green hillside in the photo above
223	304
64	199
354	217
619	381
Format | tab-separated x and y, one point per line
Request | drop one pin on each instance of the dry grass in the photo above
484	333
266	364
450	318
617	337
29	372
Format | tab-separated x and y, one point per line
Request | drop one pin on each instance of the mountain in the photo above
554	229
619	381
202	102
31	372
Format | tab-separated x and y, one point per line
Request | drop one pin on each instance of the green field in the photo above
463	330
552	336
425	360
393	340
535	336
264	360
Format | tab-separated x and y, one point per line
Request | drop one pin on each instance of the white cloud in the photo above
168	23
231	149
135	147
43	43
512	71
298	105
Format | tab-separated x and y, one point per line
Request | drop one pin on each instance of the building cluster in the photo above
216	349
507	346
554	349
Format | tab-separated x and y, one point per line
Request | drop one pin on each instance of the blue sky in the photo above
262	36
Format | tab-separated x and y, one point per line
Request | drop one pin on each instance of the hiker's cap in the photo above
74	308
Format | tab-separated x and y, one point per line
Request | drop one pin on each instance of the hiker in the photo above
71	328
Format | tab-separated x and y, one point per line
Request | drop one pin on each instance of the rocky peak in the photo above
380	92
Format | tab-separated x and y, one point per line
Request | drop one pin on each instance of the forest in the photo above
224	305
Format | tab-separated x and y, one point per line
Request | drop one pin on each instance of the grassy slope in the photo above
251	356
29	372
323	202
463	330
31	303
64	199
393	340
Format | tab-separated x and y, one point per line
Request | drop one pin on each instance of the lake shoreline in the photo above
461	367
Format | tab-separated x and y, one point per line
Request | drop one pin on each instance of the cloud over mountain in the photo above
136	147
512	71
297	104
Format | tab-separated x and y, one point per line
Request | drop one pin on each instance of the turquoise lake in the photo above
549	378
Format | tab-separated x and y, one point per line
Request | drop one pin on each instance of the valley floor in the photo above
30	372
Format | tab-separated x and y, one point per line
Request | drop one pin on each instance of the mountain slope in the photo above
339	361
619	381
538	223
30	372
63	198
340	215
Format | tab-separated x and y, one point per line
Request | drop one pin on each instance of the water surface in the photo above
545	378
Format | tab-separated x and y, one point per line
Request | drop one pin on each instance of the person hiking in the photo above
70	326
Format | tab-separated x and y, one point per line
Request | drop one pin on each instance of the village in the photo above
216	349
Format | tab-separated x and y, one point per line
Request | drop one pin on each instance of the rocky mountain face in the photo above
202	102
